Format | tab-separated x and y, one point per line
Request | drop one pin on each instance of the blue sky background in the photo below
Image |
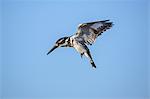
30	28
149	45
0	48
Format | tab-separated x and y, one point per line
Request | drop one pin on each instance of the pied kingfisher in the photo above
85	35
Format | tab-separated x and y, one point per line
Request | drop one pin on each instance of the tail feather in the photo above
88	55
93	64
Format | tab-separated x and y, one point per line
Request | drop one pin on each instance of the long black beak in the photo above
52	49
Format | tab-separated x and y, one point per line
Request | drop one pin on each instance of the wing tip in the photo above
110	24
105	20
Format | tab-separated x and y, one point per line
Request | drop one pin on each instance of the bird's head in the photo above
62	42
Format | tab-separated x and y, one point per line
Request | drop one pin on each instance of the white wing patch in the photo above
96	25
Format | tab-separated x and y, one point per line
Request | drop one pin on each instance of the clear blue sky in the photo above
30	28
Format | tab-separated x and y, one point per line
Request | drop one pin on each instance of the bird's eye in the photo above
63	41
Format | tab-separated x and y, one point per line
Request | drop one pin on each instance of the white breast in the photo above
79	47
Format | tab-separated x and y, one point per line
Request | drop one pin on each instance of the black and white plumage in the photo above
86	35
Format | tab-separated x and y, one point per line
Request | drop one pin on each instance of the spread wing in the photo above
88	32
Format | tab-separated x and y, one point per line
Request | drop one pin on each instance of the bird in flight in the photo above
85	35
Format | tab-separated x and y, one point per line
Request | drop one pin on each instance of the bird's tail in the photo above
93	64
